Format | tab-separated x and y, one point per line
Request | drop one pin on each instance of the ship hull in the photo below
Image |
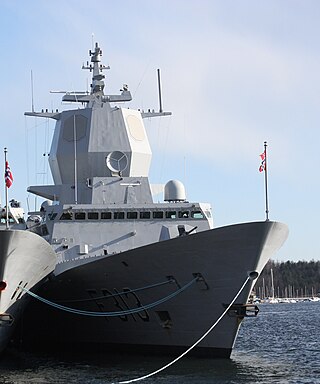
25	261
221	259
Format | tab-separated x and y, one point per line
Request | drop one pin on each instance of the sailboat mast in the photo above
272	284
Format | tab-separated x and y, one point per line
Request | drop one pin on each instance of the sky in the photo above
234	73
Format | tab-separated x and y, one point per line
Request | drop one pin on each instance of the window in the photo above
171	214
119	215
66	216
145	215
132	215
197	214
106	215
165	319
93	215
157	215
80	215
183	214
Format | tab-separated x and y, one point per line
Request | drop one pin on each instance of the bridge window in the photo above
171	214
132	215
119	215
183	214
145	215
11	220
80	215
93	215
197	215
157	215
106	215
66	216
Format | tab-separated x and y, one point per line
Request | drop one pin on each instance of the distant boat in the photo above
315	299
283	300
272	300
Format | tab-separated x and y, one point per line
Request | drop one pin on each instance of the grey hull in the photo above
223	257
25	260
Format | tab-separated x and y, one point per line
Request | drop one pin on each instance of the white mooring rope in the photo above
195	344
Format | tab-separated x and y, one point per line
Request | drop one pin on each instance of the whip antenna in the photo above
159	88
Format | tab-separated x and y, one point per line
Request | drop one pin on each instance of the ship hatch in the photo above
165	319
243	310
6	319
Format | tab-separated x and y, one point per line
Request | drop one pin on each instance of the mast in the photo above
6	189
75	161
159	89
86	146
266	181
263	168
32	101
272	284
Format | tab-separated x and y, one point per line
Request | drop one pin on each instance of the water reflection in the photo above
280	346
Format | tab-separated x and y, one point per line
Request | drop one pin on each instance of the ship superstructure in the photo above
100	159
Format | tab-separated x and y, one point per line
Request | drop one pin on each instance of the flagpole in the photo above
266	181
6	190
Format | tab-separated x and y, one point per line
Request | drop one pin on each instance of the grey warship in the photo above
131	274
26	260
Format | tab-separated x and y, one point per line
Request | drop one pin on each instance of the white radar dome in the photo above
174	191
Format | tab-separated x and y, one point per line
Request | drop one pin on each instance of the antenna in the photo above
92	41
75	160
6	189
263	168
32	103
159	88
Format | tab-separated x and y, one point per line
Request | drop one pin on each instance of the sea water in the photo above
281	345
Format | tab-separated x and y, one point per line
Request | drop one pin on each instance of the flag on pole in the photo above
8	176
263	162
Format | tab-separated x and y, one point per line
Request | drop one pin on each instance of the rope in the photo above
171	280
194	345
109	314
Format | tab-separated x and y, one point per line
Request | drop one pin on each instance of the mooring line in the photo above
194	345
109	314
169	281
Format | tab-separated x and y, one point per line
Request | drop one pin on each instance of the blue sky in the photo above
234	74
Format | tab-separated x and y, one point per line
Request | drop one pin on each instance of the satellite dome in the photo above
174	191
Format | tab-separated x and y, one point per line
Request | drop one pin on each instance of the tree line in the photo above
290	279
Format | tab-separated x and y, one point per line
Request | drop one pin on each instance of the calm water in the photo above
281	345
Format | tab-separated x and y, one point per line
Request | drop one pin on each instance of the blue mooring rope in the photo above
169	281
109	314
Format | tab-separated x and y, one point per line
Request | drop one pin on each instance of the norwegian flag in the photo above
8	176
263	162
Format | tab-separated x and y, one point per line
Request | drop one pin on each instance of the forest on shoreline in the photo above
290	279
